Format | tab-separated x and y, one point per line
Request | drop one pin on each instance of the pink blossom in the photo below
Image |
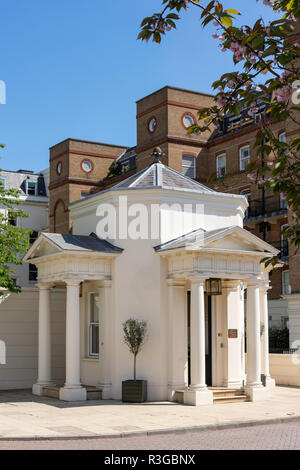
283	196
252	176
283	94
268	3
215	36
222	100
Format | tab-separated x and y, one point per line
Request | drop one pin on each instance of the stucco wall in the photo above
19	331
285	369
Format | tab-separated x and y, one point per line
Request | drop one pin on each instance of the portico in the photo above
72	261
190	266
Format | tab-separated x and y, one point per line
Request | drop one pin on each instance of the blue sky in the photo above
74	68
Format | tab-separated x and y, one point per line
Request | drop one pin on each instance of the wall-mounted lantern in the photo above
213	286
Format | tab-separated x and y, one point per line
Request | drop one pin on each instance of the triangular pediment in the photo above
42	247
230	239
235	239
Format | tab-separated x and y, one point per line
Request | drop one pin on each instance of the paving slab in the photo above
25	416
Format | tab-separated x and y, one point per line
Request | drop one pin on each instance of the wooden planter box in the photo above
134	391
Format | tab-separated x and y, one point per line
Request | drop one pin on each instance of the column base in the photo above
268	382
37	389
106	391
172	390
72	394
256	393
198	397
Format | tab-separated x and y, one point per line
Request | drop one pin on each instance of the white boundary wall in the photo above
285	369
19	331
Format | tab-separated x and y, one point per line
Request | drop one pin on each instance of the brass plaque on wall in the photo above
232	333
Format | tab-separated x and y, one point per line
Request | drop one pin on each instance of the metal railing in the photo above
284	351
265	207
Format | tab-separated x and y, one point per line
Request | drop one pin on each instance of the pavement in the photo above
285	436
27	417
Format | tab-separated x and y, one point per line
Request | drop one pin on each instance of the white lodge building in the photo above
195	341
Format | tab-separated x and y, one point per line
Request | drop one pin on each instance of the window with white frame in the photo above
31	188
244	157
93	325
286	288
282	137
189	166
2	182
221	165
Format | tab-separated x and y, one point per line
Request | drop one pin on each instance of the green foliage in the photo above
135	332
114	170
13	240
268	71
278	339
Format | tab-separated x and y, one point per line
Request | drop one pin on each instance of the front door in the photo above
208	335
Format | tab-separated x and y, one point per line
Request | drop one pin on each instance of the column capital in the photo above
45	285
198	280
254	283
231	284
107	284
72	282
176	282
264	287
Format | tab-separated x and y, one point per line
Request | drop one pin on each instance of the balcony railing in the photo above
283	246
266	207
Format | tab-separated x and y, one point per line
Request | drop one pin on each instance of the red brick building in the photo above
79	167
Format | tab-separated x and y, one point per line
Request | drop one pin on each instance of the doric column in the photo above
72	390
44	339
198	393
233	376
105	338
254	387
264	316
177	341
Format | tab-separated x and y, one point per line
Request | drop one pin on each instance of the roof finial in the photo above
157	153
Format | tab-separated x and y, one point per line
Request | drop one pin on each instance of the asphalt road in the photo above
267	437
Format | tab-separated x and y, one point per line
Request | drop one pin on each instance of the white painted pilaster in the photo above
264	318
177	350
105	332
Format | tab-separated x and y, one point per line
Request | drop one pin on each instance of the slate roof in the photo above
158	175
17	180
82	242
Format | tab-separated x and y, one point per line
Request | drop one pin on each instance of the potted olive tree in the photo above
134	331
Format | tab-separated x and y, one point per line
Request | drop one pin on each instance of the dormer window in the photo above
31	188
189	166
